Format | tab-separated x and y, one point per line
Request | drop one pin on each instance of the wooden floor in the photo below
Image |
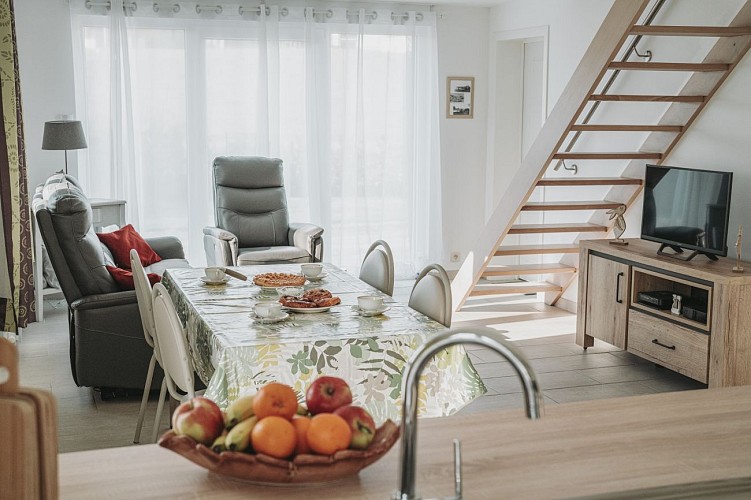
545	335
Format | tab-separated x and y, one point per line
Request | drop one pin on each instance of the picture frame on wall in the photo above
460	96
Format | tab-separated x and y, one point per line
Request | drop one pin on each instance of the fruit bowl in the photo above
303	469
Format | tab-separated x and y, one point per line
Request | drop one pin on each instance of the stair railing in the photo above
632	49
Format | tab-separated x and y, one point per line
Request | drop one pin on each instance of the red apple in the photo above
362	424
200	418
326	394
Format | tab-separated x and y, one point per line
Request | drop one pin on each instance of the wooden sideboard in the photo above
715	349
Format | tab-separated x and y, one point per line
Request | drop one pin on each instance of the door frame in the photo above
518	35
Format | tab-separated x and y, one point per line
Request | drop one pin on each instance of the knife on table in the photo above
235	274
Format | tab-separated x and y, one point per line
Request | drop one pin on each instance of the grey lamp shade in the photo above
63	134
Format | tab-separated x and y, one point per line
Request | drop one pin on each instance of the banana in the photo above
301	410
239	410
238	438
218	445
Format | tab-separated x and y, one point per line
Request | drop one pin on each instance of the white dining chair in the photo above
377	268
431	294
146	309
173	352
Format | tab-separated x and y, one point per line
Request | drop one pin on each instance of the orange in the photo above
274	436
328	433
301	425
275	399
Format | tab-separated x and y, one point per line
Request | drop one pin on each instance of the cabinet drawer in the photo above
673	346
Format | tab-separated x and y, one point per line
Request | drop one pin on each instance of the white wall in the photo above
463	51
45	60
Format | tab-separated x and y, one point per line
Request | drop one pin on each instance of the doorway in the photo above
518	109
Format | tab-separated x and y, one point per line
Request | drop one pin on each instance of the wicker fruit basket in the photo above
303	469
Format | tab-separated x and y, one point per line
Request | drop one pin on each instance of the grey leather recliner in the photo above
107	346
252	221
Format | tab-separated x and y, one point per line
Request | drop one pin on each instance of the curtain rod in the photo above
218	9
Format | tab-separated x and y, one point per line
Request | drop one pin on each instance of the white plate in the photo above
317	278
365	313
266	321
208	281
307	310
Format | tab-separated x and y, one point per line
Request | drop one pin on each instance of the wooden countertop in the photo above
576	449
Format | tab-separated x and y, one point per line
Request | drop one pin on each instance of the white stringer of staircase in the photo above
619	26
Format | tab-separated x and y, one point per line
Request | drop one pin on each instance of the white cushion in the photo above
267	255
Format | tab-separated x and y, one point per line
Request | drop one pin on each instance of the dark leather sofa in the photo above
107	347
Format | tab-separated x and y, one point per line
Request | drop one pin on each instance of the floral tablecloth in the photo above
234	355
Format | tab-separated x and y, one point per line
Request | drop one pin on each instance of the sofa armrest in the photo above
103	300
221	247
308	237
167	247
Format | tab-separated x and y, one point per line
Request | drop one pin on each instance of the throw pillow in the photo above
121	241
124	278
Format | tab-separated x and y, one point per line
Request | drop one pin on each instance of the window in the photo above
349	104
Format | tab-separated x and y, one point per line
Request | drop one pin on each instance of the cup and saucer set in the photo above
313	272
268	311
214	276
370	305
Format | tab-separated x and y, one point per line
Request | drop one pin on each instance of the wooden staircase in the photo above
556	144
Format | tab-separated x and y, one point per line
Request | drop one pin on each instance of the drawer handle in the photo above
655	341
618	288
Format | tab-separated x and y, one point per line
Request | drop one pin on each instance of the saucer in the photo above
272	319
374	312
317	278
208	281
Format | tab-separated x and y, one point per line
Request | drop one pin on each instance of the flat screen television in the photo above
687	209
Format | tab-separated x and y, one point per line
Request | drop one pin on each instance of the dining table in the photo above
235	354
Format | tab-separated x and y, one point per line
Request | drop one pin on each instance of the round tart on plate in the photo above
274	280
316	298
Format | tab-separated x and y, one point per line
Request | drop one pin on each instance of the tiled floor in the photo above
544	334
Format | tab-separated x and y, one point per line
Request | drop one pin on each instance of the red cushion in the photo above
124	278
121	241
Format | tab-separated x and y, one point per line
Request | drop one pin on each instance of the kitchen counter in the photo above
660	442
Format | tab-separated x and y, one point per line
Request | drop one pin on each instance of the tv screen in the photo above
687	208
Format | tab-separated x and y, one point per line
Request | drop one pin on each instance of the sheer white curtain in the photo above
347	98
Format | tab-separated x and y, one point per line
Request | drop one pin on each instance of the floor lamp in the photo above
63	135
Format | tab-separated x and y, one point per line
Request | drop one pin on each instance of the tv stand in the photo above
712	346
679	253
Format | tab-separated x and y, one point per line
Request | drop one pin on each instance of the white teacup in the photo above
268	309
369	302
311	270
214	273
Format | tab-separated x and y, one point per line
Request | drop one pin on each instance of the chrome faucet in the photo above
485	337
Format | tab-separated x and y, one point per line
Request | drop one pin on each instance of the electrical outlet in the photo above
455	256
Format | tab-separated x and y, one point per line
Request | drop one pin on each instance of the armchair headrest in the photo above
248	172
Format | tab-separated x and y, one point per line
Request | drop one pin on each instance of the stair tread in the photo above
570	205
647	98
569	227
512	270
537	249
676	30
589	181
514	288
625	128
621	155
668	66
